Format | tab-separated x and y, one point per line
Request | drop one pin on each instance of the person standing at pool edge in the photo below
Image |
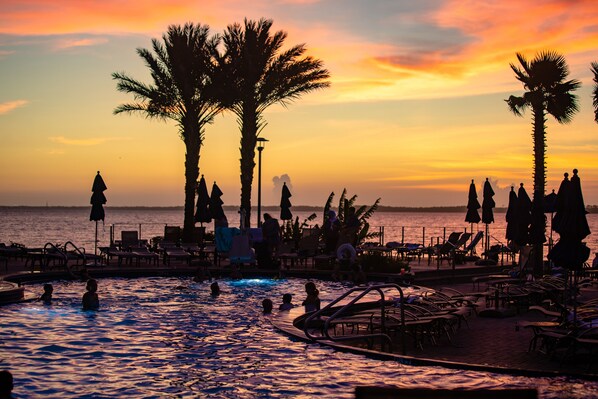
91	301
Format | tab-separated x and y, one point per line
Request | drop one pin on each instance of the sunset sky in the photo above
414	112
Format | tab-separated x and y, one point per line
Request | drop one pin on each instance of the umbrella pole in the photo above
95	248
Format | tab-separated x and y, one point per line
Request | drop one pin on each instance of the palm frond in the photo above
594	70
327	206
517	105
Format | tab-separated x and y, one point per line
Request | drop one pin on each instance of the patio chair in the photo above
307	249
241	251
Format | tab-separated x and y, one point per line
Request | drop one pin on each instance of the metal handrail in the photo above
80	251
345	308
55	250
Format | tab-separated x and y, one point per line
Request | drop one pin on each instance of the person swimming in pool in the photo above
267	305
46	297
91	301
312	301
215	288
286	302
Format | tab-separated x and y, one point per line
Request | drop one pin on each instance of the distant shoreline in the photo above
301	208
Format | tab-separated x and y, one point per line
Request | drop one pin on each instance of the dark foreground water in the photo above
167	337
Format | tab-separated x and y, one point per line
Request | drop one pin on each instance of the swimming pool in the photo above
167	337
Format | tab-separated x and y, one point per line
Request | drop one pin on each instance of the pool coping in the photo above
286	324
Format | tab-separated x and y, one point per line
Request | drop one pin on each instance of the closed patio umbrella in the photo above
98	199
285	203
216	203
473	205
524	217
571	223
488	205
511	216
202	213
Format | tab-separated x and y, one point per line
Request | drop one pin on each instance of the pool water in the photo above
167	337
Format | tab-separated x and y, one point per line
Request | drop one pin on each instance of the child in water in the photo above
46	297
267	305
286	302
91	300
312	301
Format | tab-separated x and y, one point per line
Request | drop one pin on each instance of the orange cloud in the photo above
495	32
71	43
9	106
84	142
42	17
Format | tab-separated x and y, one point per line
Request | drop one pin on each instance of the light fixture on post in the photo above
261	143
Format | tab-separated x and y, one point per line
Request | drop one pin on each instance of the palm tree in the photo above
595	92
547	91
184	89
259	75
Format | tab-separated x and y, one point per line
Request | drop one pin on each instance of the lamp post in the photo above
261	143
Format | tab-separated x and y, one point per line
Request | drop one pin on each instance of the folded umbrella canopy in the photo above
571	223
487	214
215	206
202	213
524	217
473	205
511	216
98	199
285	203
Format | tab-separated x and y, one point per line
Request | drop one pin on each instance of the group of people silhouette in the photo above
90	300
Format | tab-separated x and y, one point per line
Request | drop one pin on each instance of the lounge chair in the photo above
170	251
129	239
445	250
470	248
172	234
143	252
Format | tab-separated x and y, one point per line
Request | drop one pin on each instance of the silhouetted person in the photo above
312	301
6	384
352	220
46	297
271	233
267	305
215	288
286	302
331	230
91	301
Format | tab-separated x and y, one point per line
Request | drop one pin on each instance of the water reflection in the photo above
157	337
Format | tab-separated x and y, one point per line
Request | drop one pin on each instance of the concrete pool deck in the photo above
487	344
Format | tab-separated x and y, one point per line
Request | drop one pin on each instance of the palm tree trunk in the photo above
193	145
538	226
248	142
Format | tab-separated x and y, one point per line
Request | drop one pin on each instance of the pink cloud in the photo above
9	106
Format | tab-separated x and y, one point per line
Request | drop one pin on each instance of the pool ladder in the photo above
316	317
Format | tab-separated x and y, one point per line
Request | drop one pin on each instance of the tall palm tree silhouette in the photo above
185	89
547	92
260	74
